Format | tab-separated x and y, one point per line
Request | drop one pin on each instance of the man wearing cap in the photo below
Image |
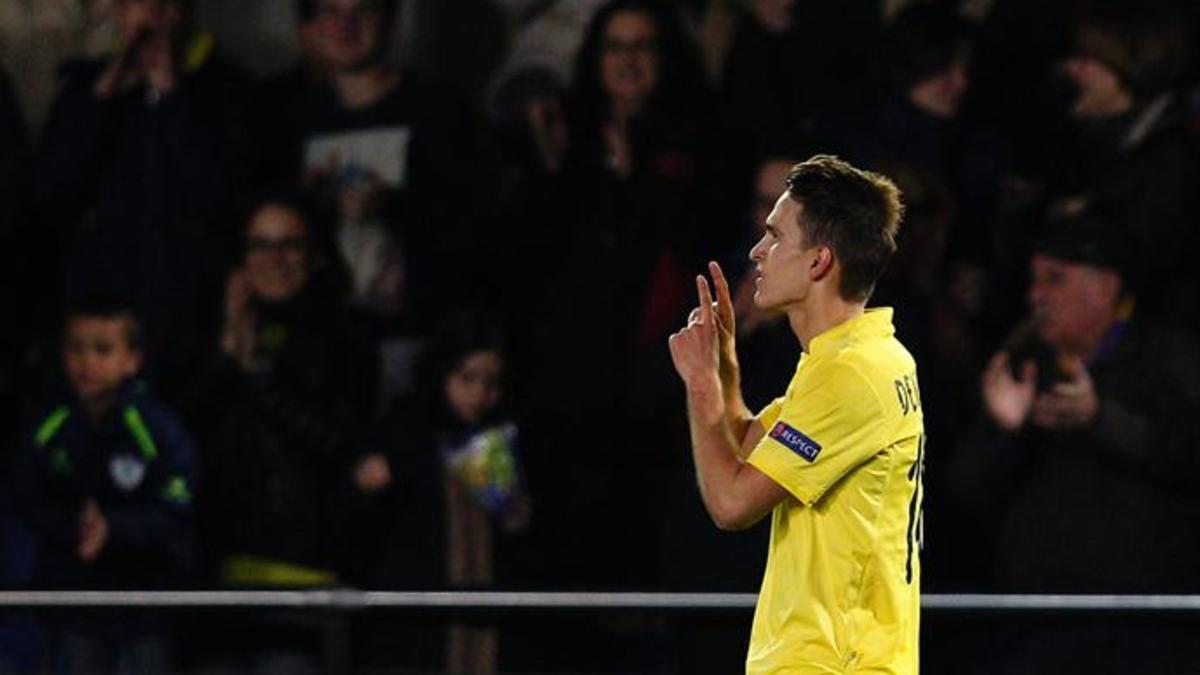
1086	454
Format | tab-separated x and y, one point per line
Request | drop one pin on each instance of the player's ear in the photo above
822	264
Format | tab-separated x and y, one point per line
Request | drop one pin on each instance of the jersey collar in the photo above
875	322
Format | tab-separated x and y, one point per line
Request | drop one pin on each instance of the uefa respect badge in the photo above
796	441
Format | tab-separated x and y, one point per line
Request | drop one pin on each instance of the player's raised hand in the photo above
1008	399
727	331
694	348
726	321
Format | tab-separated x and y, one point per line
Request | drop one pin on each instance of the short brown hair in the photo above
854	212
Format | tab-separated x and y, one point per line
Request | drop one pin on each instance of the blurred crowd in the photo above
375	293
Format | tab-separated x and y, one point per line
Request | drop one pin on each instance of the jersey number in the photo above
916	518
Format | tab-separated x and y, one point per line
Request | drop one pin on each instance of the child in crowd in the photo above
105	482
454	475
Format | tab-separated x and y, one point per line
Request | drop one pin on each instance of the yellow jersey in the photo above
841	591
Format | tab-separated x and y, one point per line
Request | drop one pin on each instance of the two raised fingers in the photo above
723	305
724	298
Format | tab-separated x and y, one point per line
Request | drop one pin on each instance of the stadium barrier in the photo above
350	599
333	608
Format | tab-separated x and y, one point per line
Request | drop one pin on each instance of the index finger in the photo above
705	299
724	300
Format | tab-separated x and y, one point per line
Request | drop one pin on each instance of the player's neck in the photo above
820	314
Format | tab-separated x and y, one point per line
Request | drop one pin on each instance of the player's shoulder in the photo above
882	358
864	360
863	372
845	376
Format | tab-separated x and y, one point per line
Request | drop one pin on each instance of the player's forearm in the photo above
714	449
703	399
737	415
738	420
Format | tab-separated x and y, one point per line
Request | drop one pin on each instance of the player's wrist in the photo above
706	399
705	384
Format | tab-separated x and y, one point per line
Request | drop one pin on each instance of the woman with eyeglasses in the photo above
280	410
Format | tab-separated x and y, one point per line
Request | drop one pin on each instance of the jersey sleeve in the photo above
830	423
769	414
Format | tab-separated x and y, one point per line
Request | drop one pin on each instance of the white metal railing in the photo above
349	599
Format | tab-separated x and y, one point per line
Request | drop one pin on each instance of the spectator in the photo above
950	169
637	80
1132	153
458	483
1085	454
526	99
280	407
293	380
914	136
386	153
140	162
628	213
105	481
